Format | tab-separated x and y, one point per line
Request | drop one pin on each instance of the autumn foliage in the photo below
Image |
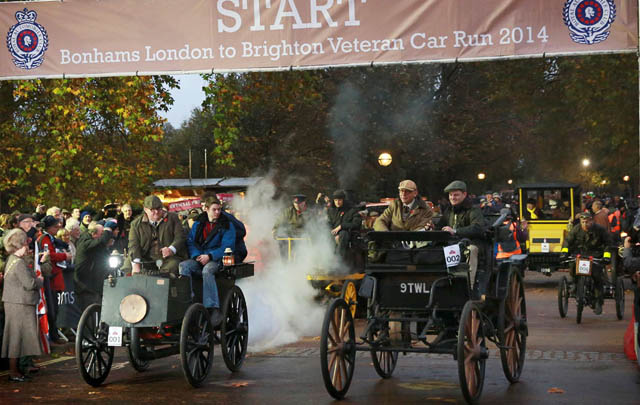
81	141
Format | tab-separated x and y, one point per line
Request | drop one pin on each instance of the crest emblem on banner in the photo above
589	21
27	41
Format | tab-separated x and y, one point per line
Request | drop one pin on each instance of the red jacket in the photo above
57	279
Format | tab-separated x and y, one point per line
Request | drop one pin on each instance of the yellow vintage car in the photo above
548	209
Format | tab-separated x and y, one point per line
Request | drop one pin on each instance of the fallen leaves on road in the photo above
92	392
36	398
233	384
317	338
555	390
64	386
16	390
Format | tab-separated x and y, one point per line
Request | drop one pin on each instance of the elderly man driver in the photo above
465	221
156	238
407	213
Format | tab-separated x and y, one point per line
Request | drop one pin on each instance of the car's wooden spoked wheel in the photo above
384	362
196	345
93	355
512	329
350	295
337	348
234	330
472	352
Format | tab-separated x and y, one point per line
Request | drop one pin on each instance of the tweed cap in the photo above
407	185
456	185
152	202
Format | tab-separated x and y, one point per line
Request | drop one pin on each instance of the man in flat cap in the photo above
290	223
156	240
292	219
407	213
343	220
588	239
465	221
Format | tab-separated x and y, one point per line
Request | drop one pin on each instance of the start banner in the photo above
78	38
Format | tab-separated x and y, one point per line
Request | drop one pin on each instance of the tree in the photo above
78	141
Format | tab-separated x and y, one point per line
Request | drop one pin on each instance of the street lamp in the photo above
509	181
626	178
586	162
384	159
481	176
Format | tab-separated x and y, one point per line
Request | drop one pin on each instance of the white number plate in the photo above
452	255
115	336
584	267
544	248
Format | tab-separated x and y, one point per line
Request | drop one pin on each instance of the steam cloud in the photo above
279	297
347	132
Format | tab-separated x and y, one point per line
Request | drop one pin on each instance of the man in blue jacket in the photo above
210	235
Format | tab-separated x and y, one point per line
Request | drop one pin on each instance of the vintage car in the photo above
420	300
548	209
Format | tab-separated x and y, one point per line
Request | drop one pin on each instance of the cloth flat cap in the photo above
298	198
585	214
456	185
407	185
339	195
152	202
49	221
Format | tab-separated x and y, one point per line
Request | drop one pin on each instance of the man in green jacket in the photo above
343	220
589	239
290	224
92	255
291	221
156	240
465	221
407	213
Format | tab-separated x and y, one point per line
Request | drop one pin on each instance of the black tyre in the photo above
337	348
512	328
563	297
472	352
135	349
234	329
580	297
619	296
93	356
196	345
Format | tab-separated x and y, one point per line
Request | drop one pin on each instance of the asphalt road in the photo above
566	364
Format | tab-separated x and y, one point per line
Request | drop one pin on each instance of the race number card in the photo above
584	267
452	255
115	336
544	248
